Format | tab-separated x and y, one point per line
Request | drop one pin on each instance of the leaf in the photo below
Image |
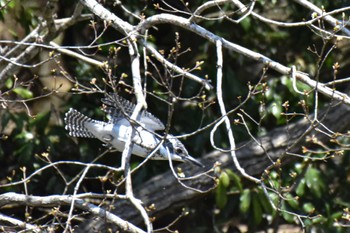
288	217
9	83
314	181
245	200
308	207
24	93
265	202
246	23
337	215
276	109
300	190
274	198
294	203
319	219
257	211
224	179
221	197
235	178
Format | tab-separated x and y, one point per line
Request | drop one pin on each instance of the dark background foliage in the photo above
28	135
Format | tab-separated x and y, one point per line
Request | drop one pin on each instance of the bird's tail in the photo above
75	124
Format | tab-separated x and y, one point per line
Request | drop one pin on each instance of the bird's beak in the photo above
194	161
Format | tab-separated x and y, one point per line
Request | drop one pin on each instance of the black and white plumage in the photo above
116	131
119	108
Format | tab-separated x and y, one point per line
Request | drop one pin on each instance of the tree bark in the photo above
165	192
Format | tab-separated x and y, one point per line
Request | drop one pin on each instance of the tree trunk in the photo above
165	192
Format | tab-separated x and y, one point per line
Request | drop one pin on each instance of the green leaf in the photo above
314	181
224	179
245	200
288	217
265	203
257	211
336	215
274	198
9	83
319	219
246	23
276	109
294	203
221	197
235	178
11	4
300	190
24	93
308	207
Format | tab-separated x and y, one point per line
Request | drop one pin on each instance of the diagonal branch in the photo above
127	30
188	25
166	194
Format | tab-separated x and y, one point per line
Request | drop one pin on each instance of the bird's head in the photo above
178	151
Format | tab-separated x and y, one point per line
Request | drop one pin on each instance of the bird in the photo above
117	130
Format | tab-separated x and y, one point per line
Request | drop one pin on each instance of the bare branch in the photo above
224	114
127	29
327	17
77	55
17	223
55	200
182	22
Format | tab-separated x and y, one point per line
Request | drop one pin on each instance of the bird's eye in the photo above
107	137
179	151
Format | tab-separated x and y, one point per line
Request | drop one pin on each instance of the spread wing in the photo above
117	107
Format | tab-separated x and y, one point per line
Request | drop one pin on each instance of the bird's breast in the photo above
117	135
143	141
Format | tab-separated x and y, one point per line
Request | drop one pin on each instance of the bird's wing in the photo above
117	107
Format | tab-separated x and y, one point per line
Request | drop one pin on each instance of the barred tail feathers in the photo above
75	124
